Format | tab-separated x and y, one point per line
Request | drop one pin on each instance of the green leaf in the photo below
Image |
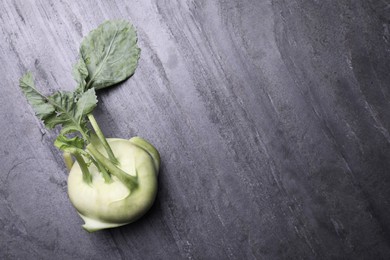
62	108
86	103
71	145
64	103
80	74
69	112
110	53
39	102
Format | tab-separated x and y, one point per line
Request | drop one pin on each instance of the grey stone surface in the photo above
272	119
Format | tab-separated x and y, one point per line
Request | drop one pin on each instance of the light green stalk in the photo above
102	139
130	181
87	177
68	160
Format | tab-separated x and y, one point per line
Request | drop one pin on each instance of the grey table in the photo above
272	119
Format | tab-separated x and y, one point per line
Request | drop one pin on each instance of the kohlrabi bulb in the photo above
105	205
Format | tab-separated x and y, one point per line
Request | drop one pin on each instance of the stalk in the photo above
102	139
102	170
68	160
87	177
130	181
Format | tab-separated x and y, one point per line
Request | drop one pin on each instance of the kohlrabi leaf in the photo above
39	102
70	145
86	103
80	74
64	103
110	53
61	108
71	113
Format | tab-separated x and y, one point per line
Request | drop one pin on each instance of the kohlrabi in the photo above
113	181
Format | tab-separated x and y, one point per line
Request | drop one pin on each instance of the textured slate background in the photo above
272	119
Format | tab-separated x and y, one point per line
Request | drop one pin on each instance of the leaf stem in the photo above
87	177
68	160
130	181
102	139
102	170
